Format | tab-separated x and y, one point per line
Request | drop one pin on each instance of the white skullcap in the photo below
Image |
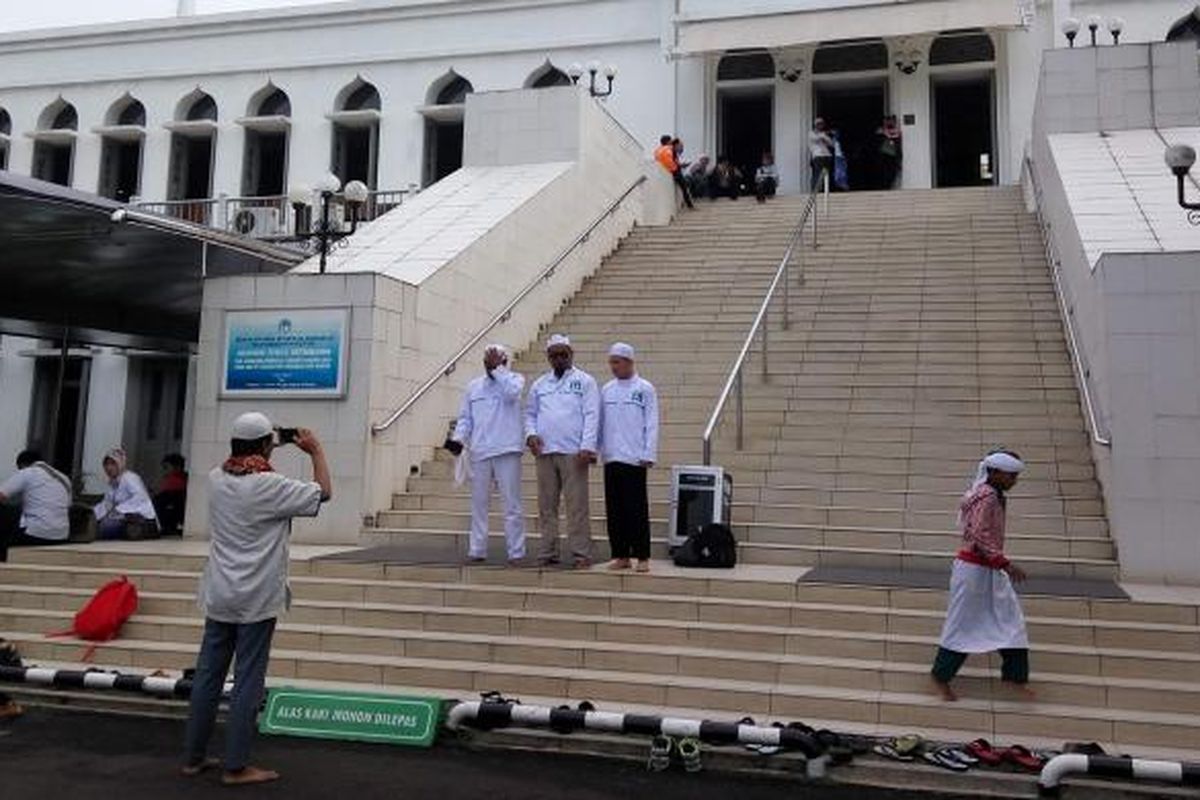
621	350
557	340
251	427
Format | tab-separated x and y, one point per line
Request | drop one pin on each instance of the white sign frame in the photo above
334	320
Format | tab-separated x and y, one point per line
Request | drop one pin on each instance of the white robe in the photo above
985	612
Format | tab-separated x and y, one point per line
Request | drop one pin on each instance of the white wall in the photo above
104	425
16	393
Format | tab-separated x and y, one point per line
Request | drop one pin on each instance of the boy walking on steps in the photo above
984	612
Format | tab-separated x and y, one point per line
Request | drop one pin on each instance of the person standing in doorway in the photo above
562	423
820	153
891	152
629	448
984	612
244	587
489	427
34	505
664	154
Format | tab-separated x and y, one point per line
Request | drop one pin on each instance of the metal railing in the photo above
1099	431
734	383
223	211
504	314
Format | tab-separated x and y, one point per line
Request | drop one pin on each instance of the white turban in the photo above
1000	461
557	340
621	350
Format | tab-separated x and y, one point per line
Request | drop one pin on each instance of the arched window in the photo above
126	111
547	75
271	101
358	96
197	106
449	90
5	123
59	116
746	65
850	56
961	47
1186	29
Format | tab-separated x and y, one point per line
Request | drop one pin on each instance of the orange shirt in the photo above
665	155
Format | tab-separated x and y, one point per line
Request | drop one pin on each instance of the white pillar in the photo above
792	98
911	103
104	426
16	376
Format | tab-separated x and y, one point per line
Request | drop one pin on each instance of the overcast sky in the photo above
18	15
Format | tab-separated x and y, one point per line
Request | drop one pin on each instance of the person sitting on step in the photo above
34	505
126	501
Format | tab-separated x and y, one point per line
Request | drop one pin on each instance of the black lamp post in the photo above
1115	26
1180	158
1070	29
575	71
325	234
1094	23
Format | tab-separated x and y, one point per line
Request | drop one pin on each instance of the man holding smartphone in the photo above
244	586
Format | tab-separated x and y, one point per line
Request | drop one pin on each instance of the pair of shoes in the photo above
689	754
1017	755
619	564
901	748
475	560
643	565
948	758
547	561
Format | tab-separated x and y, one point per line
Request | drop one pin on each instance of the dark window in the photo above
204	107
134	113
961	48
550	76
746	66
455	92
276	104
365	97
5	122
66	119
1187	29
851	57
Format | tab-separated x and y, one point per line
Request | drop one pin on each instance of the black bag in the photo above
712	547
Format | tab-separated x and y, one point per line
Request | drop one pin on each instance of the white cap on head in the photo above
621	350
558	340
251	427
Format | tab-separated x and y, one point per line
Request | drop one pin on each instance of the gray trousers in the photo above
251	643
560	475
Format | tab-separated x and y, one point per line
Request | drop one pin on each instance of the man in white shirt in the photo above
629	447
489	426
820	152
562	420
244	587
44	496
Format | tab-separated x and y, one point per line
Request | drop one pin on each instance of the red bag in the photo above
101	619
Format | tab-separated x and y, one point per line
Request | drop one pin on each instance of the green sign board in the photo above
356	717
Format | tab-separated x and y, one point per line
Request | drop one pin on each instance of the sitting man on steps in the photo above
244	586
44	495
984	612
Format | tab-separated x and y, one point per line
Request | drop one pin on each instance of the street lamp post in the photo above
1070	29
1180	158
1094	23
575	72
325	234
1115	26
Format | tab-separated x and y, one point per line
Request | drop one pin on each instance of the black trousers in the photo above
627	507
1014	665
821	164
13	535
682	183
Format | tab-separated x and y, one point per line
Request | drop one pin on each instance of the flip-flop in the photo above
1021	757
888	750
1086	748
192	770
961	755
586	705
982	749
661	748
942	758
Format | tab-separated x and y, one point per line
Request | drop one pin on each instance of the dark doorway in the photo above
354	151
120	169
265	167
747	121
67	431
443	149
191	175
855	112
964	145
52	162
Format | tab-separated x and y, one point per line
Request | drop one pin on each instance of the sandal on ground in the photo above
942	758
982	749
899	749
1021	757
836	746
1084	748
962	755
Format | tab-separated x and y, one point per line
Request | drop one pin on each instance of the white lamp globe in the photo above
1070	26
575	71
299	194
610	71
356	192
1116	25
1180	158
329	183
593	66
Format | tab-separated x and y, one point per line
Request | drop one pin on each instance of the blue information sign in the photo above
299	353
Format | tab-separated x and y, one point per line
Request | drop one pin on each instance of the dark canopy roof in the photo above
133	279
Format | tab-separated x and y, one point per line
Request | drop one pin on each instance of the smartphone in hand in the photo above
287	435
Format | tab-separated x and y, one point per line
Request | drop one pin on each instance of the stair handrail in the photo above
1100	433
503	315
734	380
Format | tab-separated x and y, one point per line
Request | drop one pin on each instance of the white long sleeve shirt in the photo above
127	495
489	419
629	426
564	412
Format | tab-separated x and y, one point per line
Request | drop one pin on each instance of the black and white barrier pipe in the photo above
95	679
1143	769
504	715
